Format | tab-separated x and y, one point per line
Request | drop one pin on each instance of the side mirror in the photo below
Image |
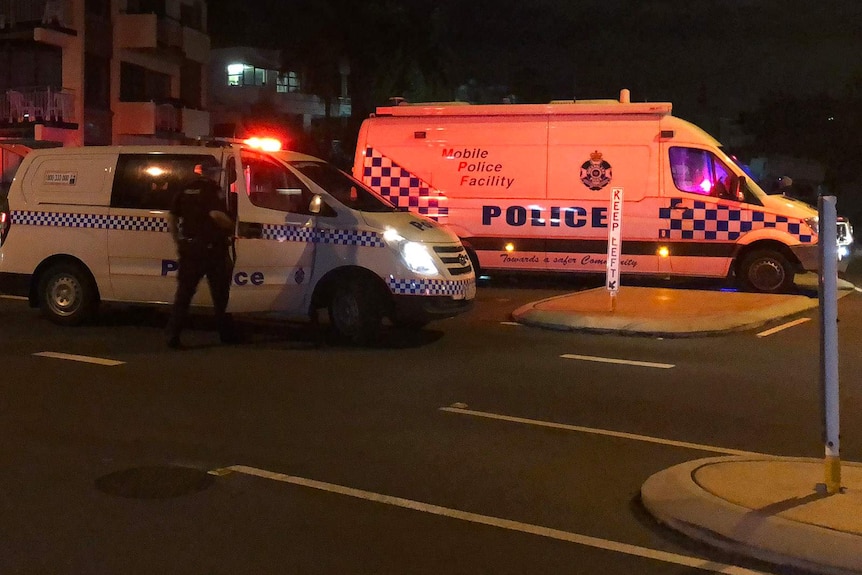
738	187
316	205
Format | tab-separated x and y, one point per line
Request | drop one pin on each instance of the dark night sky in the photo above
722	55
705	56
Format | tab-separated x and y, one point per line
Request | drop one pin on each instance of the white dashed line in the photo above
618	361
81	358
783	326
605	432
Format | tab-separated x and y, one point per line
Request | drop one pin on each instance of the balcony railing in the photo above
37	105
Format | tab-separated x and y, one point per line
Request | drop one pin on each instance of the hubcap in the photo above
766	275
64	296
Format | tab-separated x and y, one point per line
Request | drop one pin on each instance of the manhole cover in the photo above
157	482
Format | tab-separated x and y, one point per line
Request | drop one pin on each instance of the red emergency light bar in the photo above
265	144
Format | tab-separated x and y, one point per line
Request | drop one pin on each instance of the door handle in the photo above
250	230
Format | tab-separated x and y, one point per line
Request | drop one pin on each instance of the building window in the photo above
245	75
287	82
191	15
190	84
138	84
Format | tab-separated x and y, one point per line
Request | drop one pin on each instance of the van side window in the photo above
149	181
273	186
701	172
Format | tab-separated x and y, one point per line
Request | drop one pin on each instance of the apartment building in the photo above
248	84
90	72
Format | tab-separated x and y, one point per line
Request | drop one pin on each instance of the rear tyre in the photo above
67	294
356	311
766	271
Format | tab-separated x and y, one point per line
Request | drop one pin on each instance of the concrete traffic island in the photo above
772	509
670	312
661	311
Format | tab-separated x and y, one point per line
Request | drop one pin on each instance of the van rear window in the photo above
149	181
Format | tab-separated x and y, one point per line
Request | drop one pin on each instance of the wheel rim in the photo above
766	275
64	295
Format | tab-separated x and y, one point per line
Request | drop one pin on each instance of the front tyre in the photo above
356	311
67	294
766	271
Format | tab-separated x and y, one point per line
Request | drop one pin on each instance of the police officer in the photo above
202	230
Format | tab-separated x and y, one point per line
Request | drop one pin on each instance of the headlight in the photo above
418	259
813	224
415	255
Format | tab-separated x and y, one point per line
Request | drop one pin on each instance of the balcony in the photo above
40	105
159	119
161	34
25	15
148	32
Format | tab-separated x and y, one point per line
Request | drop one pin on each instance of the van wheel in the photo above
766	271
356	311
67	294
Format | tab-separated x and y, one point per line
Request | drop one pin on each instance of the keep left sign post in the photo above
615	241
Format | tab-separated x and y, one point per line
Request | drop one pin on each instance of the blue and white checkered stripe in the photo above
401	187
322	236
96	221
724	223
429	287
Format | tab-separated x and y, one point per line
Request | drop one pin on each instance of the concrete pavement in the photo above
770	508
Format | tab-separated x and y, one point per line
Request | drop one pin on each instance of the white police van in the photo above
527	188
89	224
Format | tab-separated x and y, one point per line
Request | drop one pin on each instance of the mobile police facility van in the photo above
90	224
527	187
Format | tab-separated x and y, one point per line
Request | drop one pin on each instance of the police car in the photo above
89	224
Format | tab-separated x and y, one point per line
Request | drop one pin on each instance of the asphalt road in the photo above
472	446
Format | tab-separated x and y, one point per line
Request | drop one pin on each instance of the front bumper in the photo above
809	258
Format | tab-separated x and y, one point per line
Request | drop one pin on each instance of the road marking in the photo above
509	323
783	326
585	540
619	361
81	358
605	432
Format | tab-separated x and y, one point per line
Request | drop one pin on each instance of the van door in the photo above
141	253
587	158
275	237
705	212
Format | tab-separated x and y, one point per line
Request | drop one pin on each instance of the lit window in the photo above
234	74
245	75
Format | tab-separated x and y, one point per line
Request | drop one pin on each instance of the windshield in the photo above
751	179
342	187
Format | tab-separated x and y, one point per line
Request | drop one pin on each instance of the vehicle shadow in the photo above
263	332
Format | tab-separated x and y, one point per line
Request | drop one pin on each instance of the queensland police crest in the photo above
596	173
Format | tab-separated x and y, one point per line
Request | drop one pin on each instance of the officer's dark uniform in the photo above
204	251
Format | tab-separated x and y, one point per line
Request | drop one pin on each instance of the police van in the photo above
89	224
527	188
